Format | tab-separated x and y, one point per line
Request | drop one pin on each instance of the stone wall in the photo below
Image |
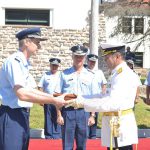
57	45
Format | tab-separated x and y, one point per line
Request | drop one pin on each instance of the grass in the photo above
142	113
37	116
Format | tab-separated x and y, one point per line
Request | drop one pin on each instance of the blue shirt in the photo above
147	81
98	81
14	71
49	81
75	83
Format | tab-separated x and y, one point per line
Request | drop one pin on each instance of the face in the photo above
91	64
32	45
111	61
78	60
53	68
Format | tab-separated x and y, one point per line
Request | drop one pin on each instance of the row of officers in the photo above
49	84
77	119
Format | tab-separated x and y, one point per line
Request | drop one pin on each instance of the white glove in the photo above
76	103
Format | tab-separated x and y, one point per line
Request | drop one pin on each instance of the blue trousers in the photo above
92	129
51	129
75	127
14	128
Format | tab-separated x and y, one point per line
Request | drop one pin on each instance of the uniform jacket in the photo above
123	86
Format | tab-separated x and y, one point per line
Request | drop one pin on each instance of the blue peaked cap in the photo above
79	50
54	61
92	57
30	33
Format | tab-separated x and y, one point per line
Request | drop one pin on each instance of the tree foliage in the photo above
130	8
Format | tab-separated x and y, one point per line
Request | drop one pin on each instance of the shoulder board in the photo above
17	59
119	70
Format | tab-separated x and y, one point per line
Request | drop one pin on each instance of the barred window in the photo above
127	25
27	17
133	25
139	25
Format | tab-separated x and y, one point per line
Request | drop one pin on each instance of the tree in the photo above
124	8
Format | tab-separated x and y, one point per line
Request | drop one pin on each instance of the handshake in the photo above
72	100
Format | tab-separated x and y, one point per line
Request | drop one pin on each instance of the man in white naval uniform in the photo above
119	129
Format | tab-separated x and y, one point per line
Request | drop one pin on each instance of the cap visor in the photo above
54	64
37	37
92	59
82	54
40	38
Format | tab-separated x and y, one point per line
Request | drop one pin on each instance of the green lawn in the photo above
37	116
142	113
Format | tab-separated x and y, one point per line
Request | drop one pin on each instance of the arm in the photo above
137	95
60	119
41	89
36	96
91	120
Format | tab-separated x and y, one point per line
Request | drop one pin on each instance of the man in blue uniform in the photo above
48	82
17	92
99	85
75	80
129	55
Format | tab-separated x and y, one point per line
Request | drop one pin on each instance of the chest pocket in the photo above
85	86
47	82
69	83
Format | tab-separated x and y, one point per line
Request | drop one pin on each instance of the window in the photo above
27	17
127	25
138	26
133	25
139	59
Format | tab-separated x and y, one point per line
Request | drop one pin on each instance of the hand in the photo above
60	120
91	121
66	97
59	101
76	103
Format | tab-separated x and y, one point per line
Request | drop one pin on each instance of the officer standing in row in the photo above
18	94
119	129
48	84
99	85
75	80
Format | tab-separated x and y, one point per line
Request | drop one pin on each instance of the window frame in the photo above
27	17
133	27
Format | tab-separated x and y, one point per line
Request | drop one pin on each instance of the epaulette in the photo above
119	70
17	59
